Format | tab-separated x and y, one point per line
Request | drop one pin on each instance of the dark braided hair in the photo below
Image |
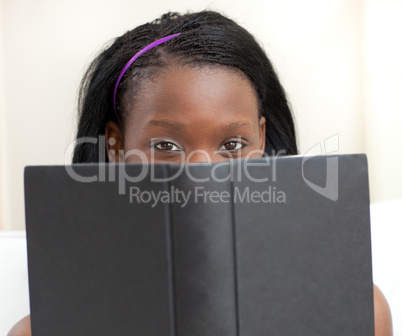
207	38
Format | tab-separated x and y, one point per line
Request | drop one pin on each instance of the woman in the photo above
193	88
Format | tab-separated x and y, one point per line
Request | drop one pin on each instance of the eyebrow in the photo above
235	125
229	127
166	124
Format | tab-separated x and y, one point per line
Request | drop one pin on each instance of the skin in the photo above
178	110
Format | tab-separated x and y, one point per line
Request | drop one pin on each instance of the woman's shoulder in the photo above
22	327
382	314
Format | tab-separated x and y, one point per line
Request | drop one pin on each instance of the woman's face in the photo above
188	114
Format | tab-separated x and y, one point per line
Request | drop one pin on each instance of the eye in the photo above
232	145
167	146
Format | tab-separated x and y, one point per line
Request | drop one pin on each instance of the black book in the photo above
276	246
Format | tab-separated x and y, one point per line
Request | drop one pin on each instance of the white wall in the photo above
383	96
317	46
3	164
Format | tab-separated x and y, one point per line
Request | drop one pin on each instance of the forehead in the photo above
203	95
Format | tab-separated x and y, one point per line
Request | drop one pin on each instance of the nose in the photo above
199	156
203	156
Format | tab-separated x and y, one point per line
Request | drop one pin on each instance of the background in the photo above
339	61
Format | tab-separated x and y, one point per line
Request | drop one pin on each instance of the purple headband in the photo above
131	61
